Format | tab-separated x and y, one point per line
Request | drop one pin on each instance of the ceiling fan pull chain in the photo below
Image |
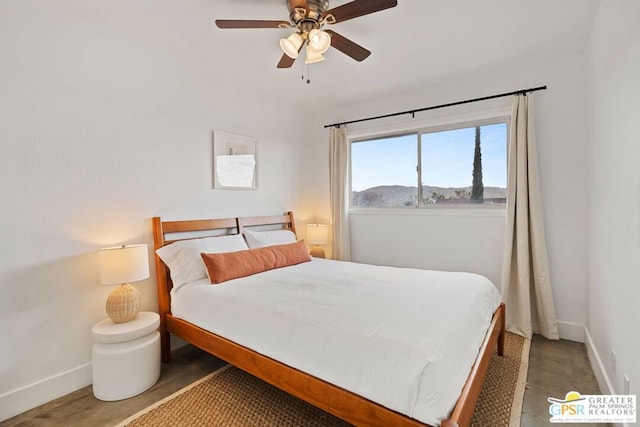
308	75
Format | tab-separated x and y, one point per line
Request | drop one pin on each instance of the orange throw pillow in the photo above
232	265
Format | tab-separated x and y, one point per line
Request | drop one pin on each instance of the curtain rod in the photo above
451	104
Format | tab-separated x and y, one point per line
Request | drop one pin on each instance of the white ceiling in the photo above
416	43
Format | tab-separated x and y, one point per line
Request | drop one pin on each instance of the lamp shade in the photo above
317	234
291	45
313	55
123	264
319	40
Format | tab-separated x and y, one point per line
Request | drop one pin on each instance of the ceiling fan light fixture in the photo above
291	45
313	55
307	18
319	40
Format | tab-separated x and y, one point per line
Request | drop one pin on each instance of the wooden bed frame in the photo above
333	399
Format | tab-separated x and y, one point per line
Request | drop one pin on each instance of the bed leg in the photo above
165	347
503	330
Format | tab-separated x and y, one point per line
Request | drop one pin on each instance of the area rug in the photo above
230	397
500	401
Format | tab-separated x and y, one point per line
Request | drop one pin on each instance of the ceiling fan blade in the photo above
286	61
240	23
358	8
348	47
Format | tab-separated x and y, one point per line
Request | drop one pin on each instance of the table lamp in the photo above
120	265
317	234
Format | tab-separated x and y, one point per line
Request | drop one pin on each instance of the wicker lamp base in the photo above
123	304
317	252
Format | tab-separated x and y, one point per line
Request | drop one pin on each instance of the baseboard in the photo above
599	369
30	396
571	331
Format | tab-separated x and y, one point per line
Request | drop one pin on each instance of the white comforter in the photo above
404	338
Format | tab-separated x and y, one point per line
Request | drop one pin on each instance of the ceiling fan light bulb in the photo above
319	40
291	45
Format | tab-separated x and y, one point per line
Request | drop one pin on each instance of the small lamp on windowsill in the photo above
317	234
118	266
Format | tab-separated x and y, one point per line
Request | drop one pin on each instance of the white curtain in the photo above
526	285
339	192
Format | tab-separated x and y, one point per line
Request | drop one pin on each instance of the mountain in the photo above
391	196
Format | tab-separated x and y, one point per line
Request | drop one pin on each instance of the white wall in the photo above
613	291
106	119
475	242
106	113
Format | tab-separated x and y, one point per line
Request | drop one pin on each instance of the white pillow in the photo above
184	260
260	239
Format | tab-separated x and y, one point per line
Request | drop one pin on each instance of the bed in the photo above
298	373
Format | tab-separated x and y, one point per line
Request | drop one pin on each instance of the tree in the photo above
463	193
477	189
436	197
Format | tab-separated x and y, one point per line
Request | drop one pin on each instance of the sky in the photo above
447	159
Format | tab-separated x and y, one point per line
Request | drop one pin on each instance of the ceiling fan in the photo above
308	17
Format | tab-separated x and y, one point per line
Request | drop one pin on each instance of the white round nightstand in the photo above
126	356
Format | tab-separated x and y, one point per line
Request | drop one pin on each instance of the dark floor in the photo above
555	368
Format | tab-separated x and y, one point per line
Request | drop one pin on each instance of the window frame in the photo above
452	122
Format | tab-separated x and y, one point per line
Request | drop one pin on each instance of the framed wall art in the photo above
235	162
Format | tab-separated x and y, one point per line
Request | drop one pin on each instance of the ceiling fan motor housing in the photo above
309	17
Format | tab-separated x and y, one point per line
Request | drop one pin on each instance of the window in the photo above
463	166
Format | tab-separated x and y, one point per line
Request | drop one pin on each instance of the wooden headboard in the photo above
166	232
